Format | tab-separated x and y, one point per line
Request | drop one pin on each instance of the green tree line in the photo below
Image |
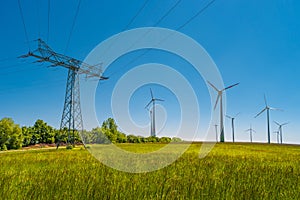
12	136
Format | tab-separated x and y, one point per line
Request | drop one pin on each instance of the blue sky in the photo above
256	43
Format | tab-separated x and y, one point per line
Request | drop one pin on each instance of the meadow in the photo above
230	171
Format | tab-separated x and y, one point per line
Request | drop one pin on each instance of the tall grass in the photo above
230	171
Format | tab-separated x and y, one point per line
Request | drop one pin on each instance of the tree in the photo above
10	134
121	138
98	136
112	125
133	139
27	136
153	139
165	140
44	132
110	129
176	139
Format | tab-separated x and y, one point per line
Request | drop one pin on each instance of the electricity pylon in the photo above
71	117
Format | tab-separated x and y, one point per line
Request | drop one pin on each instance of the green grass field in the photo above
230	171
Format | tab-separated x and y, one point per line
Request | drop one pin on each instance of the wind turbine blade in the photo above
151	93
230	86
285	123
276	123
159	100
253	131
217	101
213	86
228	117
265	100
260	112
247	130
237	115
276	109
148	104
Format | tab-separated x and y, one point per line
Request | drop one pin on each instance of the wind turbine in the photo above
232	124
250	130
280	129
267	108
220	97
277	134
153	132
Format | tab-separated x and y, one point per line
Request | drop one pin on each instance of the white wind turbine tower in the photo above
280	129
216	128
232	124
250	130
220	97
151	121
277	134
153	100
267	108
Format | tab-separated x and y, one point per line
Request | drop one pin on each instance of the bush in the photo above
3	147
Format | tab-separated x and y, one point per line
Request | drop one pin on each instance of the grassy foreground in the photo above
230	171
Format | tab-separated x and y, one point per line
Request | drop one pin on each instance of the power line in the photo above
135	16
25	30
167	13
126	27
73	24
196	15
180	27
159	21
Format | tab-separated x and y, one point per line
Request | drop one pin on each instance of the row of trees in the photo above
12	136
108	133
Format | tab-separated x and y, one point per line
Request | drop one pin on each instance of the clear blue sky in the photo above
256	43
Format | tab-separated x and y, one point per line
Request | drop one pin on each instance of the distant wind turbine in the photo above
280	129
220	97
232	124
277	134
250	130
153	100
267	108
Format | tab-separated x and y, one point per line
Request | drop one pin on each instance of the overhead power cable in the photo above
196	15
24	26
177	29
136	15
73	25
167	13
157	23
126	27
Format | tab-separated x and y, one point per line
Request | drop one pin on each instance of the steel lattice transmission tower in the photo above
71	117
